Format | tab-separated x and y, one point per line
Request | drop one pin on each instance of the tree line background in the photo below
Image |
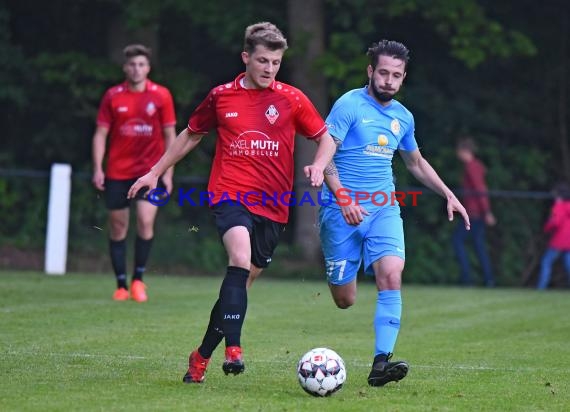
496	70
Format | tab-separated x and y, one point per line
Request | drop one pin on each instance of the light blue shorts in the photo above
344	246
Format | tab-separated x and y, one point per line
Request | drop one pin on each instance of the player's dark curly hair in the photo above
388	48
264	34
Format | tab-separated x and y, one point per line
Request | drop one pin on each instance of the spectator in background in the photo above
478	208
558	226
135	125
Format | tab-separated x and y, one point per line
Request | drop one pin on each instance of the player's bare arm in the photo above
98	148
424	172
182	145
325	151
352	213
169	138
331	170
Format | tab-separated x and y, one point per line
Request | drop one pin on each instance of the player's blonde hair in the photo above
264	34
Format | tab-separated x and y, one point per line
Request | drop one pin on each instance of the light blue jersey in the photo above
370	134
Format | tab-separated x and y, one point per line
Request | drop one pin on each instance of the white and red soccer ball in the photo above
321	372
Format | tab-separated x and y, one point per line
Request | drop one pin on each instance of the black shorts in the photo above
116	193
263	232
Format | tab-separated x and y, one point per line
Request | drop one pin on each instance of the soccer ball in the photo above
321	372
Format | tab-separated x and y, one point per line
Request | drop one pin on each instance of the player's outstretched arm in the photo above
423	171
325	152
183	144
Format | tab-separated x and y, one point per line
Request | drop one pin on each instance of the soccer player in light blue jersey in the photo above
364	222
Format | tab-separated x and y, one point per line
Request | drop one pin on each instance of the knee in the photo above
389	281
145	227
240	259
118	228
344	302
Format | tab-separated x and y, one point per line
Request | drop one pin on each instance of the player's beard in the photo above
381	96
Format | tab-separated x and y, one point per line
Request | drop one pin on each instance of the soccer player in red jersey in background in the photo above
137	119
256	118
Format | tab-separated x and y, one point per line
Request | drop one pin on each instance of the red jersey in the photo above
135	121
558	225
477	203
253	162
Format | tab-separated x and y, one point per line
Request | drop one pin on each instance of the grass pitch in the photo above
64	345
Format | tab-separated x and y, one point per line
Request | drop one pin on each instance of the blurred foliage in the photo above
480	67
23	206
13	70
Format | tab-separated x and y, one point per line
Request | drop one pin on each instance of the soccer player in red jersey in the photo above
256	118
137	119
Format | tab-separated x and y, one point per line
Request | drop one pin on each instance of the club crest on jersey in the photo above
150	109
272	114
395	126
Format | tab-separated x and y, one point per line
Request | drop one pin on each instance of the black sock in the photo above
142	251
214	334
118	252
233	304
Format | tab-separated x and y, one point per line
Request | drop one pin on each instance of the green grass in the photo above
64	345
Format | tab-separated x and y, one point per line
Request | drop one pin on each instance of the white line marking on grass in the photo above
453	367
281	362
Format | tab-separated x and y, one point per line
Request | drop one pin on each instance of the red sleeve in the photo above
105	114
308	121
476	174
554	219
204	118
167	111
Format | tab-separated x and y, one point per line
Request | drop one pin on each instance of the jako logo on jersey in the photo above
150	109
232	317
231	114
272	114
122	109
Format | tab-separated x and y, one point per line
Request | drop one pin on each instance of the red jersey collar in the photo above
237	83
147	85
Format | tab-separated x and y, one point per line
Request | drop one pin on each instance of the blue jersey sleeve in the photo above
408	141
341	118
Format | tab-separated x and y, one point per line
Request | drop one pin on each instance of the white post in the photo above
58	219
